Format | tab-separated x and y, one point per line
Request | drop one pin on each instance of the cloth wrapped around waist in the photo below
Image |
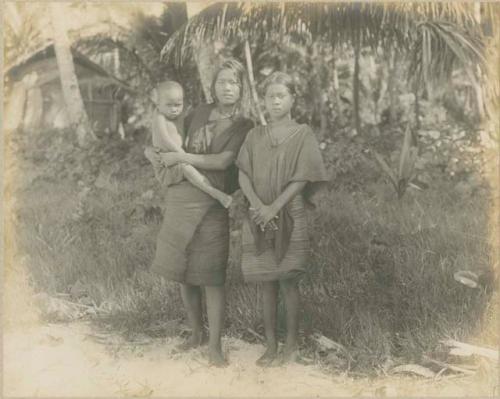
185	208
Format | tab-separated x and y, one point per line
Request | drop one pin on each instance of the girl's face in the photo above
227	87
278	101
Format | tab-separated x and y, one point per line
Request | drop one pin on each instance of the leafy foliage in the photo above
454	29
408	156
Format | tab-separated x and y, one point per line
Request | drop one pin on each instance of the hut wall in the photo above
55	113
34	108
41	103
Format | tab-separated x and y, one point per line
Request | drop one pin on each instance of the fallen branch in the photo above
415	369
463	349
327	343
255	334
449	366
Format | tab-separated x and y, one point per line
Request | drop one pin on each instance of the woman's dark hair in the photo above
241	74
279	78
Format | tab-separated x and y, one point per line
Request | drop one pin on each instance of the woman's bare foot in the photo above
216	358
267	358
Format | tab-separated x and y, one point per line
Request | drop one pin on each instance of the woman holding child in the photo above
280	166
193	242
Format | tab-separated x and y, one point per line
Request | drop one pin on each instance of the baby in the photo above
168	98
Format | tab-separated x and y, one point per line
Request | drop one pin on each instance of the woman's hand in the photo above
264	214
170	158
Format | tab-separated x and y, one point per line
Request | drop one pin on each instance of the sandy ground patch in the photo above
67	360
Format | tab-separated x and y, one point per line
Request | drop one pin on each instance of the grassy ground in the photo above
380	283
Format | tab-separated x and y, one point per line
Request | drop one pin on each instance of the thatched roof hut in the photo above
35	98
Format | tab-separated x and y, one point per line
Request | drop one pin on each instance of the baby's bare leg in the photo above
200	181
168	138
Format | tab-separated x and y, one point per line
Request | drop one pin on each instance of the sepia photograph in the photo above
274	199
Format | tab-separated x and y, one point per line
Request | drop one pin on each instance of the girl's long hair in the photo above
244	106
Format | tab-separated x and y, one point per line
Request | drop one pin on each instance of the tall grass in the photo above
380	280
382	277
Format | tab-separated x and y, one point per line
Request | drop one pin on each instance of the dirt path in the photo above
66	360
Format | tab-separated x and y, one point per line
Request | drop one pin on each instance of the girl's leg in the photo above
270	291
200	181
215	312
291	295
191	297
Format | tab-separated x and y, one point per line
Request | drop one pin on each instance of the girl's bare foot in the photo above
194	341
290	354
216	358
267	358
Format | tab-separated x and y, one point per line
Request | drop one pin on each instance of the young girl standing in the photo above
280	166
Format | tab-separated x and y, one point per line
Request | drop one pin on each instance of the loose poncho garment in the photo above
271	166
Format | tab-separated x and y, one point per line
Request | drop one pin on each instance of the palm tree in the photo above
69	82
436	36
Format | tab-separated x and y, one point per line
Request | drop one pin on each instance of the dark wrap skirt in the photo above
193	242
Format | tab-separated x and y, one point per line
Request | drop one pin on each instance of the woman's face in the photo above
278	101
227	87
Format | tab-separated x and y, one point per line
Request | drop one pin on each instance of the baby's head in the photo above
169	98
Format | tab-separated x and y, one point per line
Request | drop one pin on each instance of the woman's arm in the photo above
219	161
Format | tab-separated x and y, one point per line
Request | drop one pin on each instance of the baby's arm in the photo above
166	136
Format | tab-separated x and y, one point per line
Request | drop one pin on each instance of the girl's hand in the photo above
170	158
264	214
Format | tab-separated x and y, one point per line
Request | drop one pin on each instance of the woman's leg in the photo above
270	291
215	296
191	297
290	290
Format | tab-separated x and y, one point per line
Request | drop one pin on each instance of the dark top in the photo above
206	136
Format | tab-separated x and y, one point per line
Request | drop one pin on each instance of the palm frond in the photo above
437	36
386	169
440	47
335	22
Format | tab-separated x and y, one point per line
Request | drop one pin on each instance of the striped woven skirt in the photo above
264	267
193	242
